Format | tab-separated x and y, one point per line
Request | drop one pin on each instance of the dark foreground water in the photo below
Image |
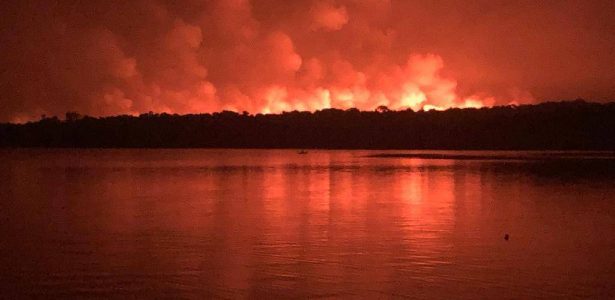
277	224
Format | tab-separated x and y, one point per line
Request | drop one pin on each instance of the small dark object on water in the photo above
302	152
506	237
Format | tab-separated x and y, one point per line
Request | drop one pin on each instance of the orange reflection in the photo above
427	213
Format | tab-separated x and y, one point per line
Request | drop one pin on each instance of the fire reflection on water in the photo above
271	223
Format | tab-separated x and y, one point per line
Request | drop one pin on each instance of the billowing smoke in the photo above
127	57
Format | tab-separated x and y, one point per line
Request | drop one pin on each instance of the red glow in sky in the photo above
128	57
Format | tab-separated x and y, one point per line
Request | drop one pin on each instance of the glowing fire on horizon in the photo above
227	55
417	85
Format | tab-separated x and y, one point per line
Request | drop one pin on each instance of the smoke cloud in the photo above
105	57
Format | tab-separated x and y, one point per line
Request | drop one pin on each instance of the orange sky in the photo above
105	57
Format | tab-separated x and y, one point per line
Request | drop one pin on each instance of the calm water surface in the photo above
276	224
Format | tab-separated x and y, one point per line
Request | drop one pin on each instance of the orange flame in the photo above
417	85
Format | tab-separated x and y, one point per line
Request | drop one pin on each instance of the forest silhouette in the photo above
566	125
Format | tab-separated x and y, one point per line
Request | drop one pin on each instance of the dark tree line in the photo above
575	125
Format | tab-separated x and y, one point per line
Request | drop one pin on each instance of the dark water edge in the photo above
494	155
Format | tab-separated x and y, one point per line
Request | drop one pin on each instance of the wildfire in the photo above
229	55
417	85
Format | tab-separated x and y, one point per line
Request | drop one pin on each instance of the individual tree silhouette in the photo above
72	116
382	109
